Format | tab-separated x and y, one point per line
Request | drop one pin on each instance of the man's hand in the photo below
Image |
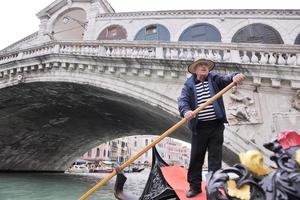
189	115
238	78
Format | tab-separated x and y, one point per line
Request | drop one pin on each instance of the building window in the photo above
104	153
135	143
257	33
153	32
123	144
201	33
114	32
98	152
152	29
89	153
146	142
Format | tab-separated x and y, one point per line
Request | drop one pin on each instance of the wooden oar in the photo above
165	134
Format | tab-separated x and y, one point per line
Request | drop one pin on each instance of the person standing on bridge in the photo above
208	125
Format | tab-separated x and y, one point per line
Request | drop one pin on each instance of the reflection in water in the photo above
38	186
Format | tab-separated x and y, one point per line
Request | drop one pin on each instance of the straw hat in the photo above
209	63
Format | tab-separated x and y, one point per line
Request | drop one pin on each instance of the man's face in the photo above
202	69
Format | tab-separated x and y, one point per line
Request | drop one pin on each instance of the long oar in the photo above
165	134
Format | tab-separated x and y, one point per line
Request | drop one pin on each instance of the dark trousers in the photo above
209	138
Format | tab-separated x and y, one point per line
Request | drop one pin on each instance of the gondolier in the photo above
164	135
208	125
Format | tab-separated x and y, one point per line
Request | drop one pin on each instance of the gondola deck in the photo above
177	179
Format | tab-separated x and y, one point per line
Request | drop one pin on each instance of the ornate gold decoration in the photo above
254	162
242	193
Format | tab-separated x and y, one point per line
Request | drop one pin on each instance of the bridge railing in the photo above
264	54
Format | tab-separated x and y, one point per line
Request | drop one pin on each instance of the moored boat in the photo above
78	169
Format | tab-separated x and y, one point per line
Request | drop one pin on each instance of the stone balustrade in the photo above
236	53
79	49
42	50
219	52
267	56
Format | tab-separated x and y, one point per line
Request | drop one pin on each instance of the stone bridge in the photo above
60	98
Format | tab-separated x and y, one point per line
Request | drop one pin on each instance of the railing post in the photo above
298	59
101	50
20	55
56	48
159	52
235	56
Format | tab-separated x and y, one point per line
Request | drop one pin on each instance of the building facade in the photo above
120	150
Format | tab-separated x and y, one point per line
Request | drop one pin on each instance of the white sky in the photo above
18	20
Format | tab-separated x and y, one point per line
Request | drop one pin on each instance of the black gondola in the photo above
156	187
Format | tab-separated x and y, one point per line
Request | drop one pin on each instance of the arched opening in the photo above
59	121
153	32
113	32
201	33
257	33
70	25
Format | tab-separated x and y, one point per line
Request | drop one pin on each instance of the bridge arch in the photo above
113	32
201	32
121	87
59	120
213	23
257	33
62	112
155	32
69	24
243	23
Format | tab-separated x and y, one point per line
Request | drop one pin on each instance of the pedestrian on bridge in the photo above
207	126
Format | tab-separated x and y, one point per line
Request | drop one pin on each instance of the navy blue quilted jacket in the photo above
188	100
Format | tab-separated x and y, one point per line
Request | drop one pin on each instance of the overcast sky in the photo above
18	20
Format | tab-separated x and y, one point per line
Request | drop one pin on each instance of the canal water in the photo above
49	186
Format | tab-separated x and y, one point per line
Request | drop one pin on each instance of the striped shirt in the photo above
203	94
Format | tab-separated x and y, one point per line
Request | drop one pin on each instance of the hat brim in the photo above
209	63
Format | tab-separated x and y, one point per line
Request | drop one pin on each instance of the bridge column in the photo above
56	48
235	56
159	52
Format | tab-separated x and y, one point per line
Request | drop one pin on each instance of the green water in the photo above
40	186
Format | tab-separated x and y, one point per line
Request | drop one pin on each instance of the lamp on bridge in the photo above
68	18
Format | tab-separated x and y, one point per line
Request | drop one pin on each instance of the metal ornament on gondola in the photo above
282	183
244	186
